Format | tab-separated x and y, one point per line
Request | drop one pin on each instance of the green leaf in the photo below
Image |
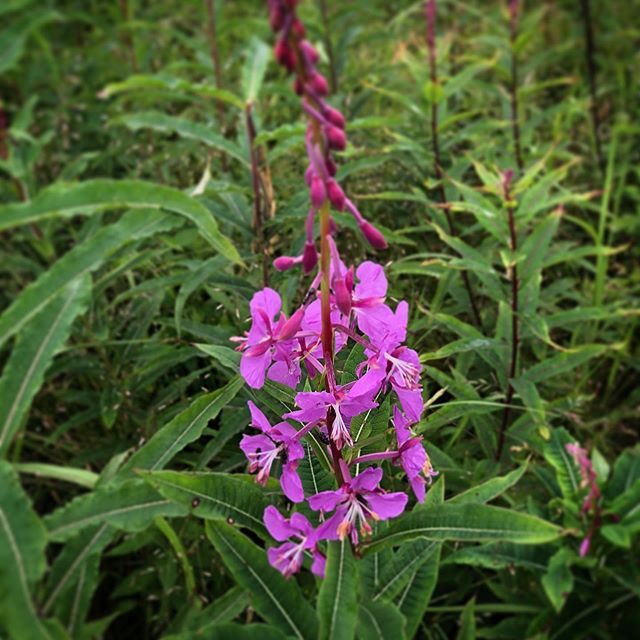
235	631
380	621
131	506
81	477
213	496
33	353
338	595
556	454
84	258
279	601
490	489
466	522
224	609
558	581
468	622
256	60
414	598
562	363
185	428
502	555
534	250
184	128
227	357
63	200
22	559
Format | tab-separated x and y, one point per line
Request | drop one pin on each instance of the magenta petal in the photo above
325	500
413	459
277	525
285	565
283	373
319	563
411	402
254	368
418	484
291	483
266	300
373	282
370	382
258	419
368	480
387	505
328	530
301	524
253	444
295	451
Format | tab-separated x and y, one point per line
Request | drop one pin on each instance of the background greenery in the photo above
128	256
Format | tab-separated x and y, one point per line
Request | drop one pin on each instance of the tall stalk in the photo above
593	82
513	89
333	73
430	13
258	208
515	330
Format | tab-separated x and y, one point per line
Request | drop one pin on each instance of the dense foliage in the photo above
152	169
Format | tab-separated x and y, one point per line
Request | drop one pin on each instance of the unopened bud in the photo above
308	175
373	236
298	86
334	117
298	28
284	54
291	326
309	52
276	18
333	227
343	295
319	84
335	194
318	192
336	138
309	257
348	279
331	166
284	263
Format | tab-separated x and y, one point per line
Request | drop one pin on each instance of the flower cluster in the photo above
588	480
279	348
342	305
325	131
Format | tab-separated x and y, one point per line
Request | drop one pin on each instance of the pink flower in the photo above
413	457
357	502
263	450
314	406
268	340
287	558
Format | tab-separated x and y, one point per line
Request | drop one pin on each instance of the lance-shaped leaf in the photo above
63	200
556	454
213	496
254	68
34	351
235	631
184	128
562	363
84	258
466	522
185	428
415	596
22	560
222	610
130	505
490	489
67	577
338	596
277	600
380	621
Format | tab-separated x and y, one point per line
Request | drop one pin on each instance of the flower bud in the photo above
334	117
298	86
276	18
348	279
309	257
318	192
309	52
284	263
318	83
308	175
373	236
331	166
291	326
298	28
284	54
336	138
343	295
335	194
333	227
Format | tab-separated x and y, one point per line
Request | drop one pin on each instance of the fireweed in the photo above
342	305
